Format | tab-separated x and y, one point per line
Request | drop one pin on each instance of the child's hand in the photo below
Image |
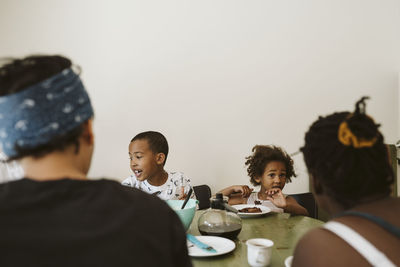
276	196
243	189
182	194
182	197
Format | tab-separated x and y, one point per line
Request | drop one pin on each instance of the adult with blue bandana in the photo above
55	216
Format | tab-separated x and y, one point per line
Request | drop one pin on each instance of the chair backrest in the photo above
307	201
203	195
395	162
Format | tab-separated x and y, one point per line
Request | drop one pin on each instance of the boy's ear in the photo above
160	158
257	179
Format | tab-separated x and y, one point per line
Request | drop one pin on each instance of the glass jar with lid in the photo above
220	219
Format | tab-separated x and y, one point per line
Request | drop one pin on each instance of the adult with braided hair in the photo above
351	177
56	216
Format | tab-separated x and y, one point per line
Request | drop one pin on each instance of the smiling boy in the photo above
148	153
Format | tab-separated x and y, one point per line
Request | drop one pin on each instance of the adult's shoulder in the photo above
308	249
133	200
122	195
320	247
113	185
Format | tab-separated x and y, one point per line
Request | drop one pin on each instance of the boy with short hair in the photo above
148	152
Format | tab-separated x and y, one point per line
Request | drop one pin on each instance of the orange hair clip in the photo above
347	138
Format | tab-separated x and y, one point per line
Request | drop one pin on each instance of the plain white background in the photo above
216	77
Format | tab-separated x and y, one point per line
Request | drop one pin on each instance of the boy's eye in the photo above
137	157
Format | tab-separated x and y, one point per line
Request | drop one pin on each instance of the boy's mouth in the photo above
137	172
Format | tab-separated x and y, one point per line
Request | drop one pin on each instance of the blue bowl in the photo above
186	215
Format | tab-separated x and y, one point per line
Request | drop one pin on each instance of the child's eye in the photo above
283	175
138	157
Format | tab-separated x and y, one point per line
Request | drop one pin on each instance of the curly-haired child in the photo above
271	168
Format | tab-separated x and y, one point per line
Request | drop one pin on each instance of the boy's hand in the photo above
182	194
276	196
182	197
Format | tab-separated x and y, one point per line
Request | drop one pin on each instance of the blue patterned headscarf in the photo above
37	114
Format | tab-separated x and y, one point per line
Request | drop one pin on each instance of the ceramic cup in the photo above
288	261
259	251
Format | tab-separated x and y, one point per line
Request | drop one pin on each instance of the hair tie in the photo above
347	138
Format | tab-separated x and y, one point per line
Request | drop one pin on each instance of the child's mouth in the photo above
137	172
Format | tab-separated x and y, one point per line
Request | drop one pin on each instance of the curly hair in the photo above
18	74
349	172
262	155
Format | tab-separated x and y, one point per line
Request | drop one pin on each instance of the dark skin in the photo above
326	243
148	165
271	182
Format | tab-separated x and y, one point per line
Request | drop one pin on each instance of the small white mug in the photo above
259	251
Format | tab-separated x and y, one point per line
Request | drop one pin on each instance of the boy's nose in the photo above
133	163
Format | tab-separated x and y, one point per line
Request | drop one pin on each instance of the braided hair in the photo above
262	155
346	153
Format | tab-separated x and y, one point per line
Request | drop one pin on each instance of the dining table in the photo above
283	229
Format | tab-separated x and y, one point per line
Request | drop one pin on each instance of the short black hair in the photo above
262	155
349	174
157	142
18	74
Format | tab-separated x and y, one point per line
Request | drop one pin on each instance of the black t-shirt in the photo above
87	223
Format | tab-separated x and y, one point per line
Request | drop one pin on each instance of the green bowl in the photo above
186	215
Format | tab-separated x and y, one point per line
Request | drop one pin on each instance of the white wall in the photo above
216	77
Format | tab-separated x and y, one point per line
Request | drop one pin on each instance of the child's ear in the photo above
160	158
257	179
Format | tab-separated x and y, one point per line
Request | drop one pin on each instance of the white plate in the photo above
288	261
264	210
220	244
